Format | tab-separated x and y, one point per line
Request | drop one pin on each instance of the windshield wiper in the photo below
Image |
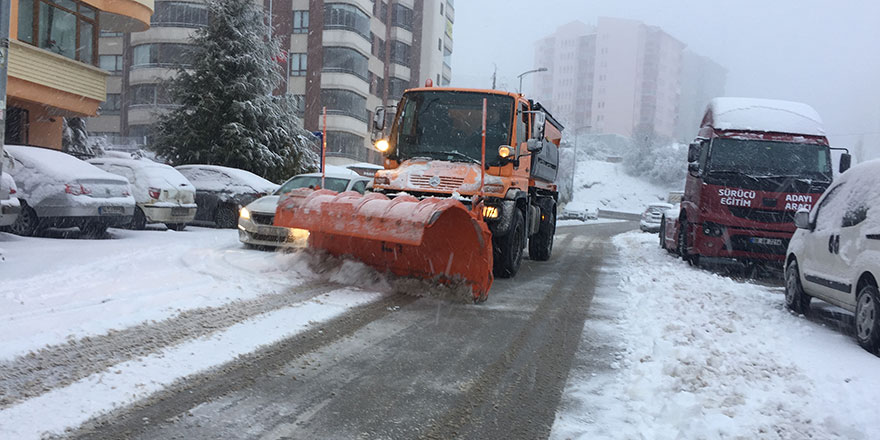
454	153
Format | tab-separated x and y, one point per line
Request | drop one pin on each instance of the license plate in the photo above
111	210
766	241
179	211
270	230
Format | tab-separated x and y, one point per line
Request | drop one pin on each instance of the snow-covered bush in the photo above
226	113
656	159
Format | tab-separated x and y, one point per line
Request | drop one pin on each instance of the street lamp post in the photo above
521	75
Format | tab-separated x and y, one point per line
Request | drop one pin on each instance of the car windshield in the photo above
767	158
448	125
331	183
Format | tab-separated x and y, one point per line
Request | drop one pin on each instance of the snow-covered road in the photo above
692	354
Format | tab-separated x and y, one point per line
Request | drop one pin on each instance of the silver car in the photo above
59	190
653	217
256	220
9	205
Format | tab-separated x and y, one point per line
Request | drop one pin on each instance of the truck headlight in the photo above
490	212
382	145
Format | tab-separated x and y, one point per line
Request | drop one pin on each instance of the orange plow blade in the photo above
433	239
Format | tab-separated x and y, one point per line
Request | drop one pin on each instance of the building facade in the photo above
348	56
54	66
702	79
617	77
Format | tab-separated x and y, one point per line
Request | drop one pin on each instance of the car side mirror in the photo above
379	119
694	152
535	146
538	128
845	162
802	219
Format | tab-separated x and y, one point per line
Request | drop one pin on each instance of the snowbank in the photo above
608	186
697	355
765	115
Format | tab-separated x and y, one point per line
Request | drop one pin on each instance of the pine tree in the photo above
227	114
75	139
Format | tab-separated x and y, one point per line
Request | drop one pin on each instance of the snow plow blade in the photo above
433	239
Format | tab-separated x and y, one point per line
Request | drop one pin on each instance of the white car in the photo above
162	194
256	221
9	204
835	253
652	217
580	211
58	190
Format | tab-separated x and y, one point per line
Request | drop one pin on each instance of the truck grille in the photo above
446	183
763	215
744	243
263	219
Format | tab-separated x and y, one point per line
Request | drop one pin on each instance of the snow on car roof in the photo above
334	171
854	193
767	115
57	164
243	177
133	163
155	173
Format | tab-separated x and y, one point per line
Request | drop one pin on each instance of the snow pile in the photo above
611	188
764	115
697	355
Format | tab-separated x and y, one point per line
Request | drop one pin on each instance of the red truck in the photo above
753	165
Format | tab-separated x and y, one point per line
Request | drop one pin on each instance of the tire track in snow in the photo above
59	365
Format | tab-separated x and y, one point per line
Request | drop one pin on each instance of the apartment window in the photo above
346	144
400	53
344	102
299	105
401	16
102	33
381	10
396	87
161	55
298	64
180	14
66	27
112	105
110	63
347	17
344	59
300	22
149	94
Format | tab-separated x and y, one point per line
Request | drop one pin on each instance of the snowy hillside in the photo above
609	187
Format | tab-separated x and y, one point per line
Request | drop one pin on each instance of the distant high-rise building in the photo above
616	77
349	56
702	79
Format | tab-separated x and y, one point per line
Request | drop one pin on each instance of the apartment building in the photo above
702	79
615	77
348	56
54	65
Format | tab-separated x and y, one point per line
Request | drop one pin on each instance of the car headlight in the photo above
245	214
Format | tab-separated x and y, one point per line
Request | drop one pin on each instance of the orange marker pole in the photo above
324	149
483	157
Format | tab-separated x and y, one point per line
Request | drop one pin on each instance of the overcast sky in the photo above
824	53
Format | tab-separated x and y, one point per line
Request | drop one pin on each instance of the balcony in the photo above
123	15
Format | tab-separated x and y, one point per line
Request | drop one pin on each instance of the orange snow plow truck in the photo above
469	182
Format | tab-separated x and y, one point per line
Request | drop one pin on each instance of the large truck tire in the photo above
508	250
541	244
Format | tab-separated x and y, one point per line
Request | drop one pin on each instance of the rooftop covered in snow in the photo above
765	115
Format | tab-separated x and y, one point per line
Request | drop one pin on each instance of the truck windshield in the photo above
769	159
447	125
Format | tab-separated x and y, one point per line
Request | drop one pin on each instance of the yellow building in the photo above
53	58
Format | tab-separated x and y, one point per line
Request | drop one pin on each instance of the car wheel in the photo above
226	217
508	250
868	318
138	220
93	230
796	299
176	226
27	222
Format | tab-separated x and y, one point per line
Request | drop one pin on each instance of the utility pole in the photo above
4	64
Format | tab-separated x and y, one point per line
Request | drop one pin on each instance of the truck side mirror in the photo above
535	146
845	162
802	219
379	119
538	128
694	168
694	152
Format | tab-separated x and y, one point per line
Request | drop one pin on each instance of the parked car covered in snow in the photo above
580	211
162	194
651	218
9	204
835	253
256	222
222	191
58	190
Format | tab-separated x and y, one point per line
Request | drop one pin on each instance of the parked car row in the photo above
43	188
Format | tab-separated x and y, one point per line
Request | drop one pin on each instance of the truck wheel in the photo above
868	319
508	250
796	299
663	233
541	244
692	259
